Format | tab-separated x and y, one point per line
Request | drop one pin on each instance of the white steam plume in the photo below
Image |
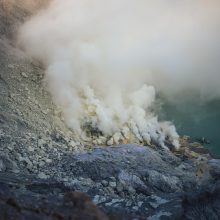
102	56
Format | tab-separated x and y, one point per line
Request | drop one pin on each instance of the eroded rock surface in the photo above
126	182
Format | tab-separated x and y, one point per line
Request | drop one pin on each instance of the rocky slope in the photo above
44	165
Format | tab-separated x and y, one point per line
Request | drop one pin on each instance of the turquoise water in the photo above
197	120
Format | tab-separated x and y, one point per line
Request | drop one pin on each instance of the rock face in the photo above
26	205
140	182
203	204
125	181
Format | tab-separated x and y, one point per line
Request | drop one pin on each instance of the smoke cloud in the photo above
106	60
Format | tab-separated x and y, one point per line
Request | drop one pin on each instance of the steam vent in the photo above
109	110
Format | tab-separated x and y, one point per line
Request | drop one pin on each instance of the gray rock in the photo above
6	164
31	149
104	183
157	201
48	160
10	66
131	190
112	184
215	167
2	166
164	182
23	74
158	215
42	176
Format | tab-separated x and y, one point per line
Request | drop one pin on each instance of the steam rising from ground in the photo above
106	59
